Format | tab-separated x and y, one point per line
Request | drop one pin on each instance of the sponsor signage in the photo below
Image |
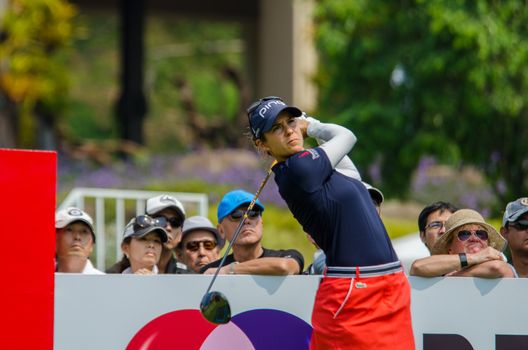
161	312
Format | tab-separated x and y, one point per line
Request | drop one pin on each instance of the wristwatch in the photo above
232	268
463	259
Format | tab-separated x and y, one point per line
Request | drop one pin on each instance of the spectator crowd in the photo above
164	241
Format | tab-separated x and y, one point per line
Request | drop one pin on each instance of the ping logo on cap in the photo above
75	212
267	106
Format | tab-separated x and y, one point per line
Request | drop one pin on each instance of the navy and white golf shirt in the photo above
334	209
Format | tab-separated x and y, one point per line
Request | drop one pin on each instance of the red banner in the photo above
28	188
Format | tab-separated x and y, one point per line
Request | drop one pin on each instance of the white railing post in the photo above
120	225
140	207
100	227
77	196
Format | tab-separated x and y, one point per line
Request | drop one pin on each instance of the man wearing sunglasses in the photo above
469	247
170	214
515	230
200	244
249	256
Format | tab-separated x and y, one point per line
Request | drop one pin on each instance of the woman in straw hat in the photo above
470	247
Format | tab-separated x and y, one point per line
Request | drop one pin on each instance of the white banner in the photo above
162	312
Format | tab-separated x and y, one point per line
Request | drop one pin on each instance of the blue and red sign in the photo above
260	329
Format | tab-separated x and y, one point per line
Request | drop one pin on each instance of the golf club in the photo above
214	305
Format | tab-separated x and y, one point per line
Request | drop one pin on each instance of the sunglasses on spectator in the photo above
174	221
254	105
193	246
435	225
239	213
465	234
520	225
144	221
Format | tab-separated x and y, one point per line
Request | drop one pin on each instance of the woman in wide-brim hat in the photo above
460	219
470	247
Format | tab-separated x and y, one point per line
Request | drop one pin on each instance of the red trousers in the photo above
363	313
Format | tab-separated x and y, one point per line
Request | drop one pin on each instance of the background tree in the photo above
33	77
415	78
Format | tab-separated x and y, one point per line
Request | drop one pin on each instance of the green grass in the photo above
397	227
282	231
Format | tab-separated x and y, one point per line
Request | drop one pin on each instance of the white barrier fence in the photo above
110	209
161	312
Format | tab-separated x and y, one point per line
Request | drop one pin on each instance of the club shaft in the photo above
239	227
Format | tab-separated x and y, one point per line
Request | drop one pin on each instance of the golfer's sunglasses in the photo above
465	234
193	246
254	105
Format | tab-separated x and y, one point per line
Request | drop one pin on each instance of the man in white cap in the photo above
75	239
515	230
200	244
170	215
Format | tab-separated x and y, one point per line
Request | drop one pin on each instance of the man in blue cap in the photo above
249	256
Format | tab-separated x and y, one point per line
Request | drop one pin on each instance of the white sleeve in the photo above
336	141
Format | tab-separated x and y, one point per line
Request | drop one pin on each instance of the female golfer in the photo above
363	301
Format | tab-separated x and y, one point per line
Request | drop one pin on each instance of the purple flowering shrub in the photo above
210	172
465	187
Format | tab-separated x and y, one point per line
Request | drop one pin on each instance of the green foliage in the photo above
32	69
282	231
95	78
195	53
398	227
176	49
443	78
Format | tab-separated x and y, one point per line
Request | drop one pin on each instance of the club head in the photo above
215	308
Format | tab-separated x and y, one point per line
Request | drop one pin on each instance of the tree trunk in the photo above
8	125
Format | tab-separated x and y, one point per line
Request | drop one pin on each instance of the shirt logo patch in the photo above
311	152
